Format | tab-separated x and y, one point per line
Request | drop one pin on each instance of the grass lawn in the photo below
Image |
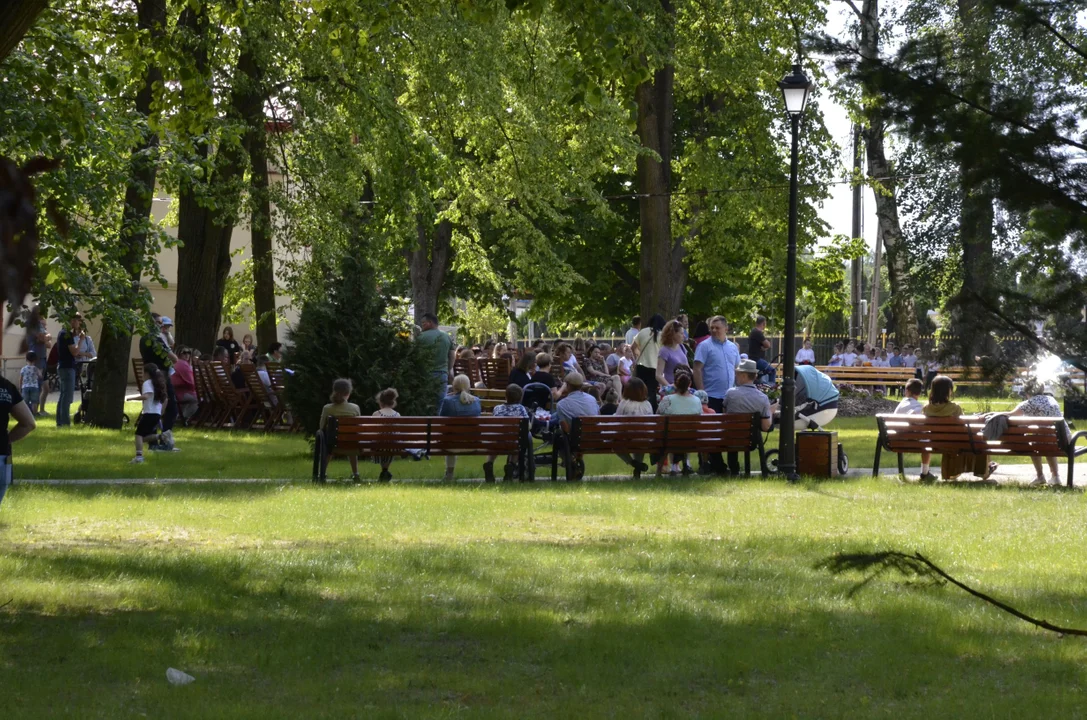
649	599
84	453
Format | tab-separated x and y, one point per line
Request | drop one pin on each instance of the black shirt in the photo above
608	408
755	340
9	398
153	350
544	377
65	359
519	377
231	346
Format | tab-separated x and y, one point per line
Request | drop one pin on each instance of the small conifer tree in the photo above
347	334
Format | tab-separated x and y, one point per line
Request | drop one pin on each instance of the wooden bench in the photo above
658	435
888	377
495	372
1025	436
397	437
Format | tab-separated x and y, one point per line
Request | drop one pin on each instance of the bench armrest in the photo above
1072	444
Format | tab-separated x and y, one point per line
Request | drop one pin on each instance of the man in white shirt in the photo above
635	328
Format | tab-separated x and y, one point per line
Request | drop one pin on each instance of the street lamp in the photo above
795	88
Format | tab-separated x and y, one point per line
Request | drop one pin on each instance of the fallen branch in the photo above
919	566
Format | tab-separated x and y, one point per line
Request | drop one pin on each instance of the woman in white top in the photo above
646	347
635	403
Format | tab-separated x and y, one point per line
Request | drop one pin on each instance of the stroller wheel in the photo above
843	460
772	462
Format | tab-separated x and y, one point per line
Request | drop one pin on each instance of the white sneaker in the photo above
136	460
676	469
1054	480
1038	482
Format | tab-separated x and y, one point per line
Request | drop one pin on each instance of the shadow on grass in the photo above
610	628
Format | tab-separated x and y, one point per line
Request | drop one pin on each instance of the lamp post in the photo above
794	88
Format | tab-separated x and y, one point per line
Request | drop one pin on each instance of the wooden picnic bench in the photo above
428	436
489	398
495	372
1026	436
657	435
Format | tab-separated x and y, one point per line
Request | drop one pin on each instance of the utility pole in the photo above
856	275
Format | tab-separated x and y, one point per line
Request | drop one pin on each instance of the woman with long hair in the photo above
460	402
672	354
646	348
522	374
339	406
682	402
951	466
154	396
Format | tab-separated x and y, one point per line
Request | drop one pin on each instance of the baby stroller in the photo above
816	406
537	396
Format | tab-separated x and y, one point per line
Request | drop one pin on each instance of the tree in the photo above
16	19
106	407
348	334
1015	128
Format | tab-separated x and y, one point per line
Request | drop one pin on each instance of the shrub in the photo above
347	334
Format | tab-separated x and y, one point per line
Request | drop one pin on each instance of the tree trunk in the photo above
881	173
16	19
264	280
106	406
203	260
872	326
428	263
663	273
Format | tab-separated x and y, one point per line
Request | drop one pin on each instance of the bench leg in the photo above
555	462
901	464
1071	468
747	463
875	465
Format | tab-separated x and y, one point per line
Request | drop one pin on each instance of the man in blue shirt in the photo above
574	402
715	362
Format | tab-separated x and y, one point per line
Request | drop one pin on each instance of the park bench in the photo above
429	436
469	368
495	372
886	377
1025	436
267	406
489	398
657	435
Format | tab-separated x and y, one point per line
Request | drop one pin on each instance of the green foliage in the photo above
479	322
346	334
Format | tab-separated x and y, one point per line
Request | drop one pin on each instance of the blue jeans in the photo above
31	396
67	393
441	379
765	368
5	475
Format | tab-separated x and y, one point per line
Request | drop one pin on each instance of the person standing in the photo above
31	378
757	345
440	347
154	350
646	347
11	406
232	347
67	352
715	363
635	328
37	342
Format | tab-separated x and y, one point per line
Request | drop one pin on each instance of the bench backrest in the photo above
495	372
434	435
467	367
869	375
666	433
256	386
1039	436
137	372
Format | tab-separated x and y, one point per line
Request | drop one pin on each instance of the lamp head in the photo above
795	88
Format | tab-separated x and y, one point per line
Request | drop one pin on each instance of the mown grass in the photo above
691	598
85	453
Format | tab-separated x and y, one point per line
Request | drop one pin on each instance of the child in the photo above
682	402
849	357
611	402
386	403
31	376
635	403
512	408
626	364
911	404
805	355
154	396
836	359
951	466
862	356
339	407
